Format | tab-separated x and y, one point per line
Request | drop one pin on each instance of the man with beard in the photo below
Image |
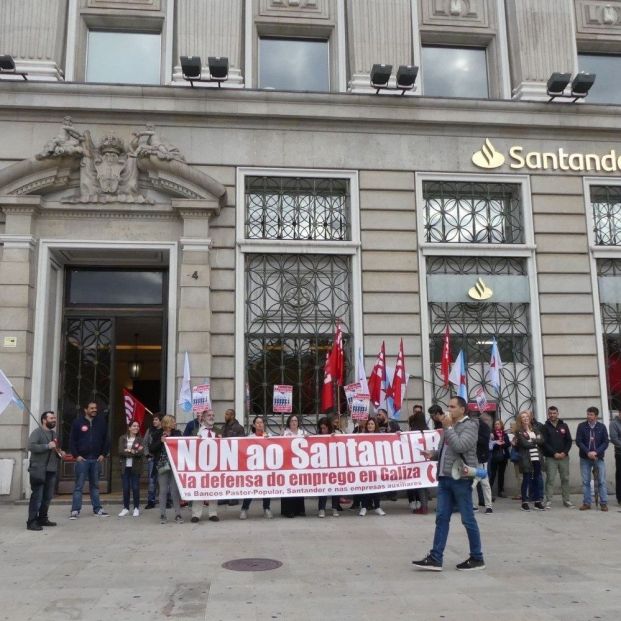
45	456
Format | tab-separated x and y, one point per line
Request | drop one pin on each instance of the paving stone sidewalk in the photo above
558	565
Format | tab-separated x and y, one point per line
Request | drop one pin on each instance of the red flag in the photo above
398	381
338	354
327	393
377	381
134	409
446	358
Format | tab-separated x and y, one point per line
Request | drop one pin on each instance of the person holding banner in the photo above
325	428
290	507
164	471
258	430
131	453
459	441
370	501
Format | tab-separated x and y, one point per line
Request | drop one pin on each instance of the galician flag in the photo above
495	366
459	377
185	392
6	392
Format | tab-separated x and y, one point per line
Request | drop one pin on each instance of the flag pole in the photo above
25	407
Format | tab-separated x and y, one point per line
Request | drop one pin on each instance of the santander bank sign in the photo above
488	158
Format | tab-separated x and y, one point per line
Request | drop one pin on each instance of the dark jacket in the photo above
390	426
41	456
600	437
137	457
615	434
89	438
233	430
501	453
157	446
524	443
556	439
483	442
191	429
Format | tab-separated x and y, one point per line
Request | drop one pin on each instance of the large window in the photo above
123	57
297	208
454	72
483	213
294	64
607	68
294	298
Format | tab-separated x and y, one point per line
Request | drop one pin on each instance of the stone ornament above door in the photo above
77	168
128	5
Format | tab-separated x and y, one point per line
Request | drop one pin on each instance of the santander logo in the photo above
488	157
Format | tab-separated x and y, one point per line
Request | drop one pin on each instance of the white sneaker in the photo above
362	512
335	513
268	514
380	511
321	514
74	515
243	515
124	513
136	512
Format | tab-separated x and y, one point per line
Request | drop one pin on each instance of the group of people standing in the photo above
534	448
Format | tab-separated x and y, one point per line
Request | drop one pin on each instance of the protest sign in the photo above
350	391
201	398
360	406
283	399
254	467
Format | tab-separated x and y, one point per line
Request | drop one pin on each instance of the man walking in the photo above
556	446
45	456
615	438
89	443
459	440
592	440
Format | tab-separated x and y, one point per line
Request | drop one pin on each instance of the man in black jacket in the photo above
89	443
556	446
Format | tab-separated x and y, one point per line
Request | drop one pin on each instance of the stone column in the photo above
17	283
210	28
194	305
33	32
378	32
542	40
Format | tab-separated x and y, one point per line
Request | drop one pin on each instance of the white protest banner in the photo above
201	398
255	467
283	399
350	391
481	399
360	406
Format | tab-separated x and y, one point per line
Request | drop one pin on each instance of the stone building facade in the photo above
140	221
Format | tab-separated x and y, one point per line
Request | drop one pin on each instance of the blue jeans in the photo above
532	484
130	480
41	497
452	493
90	468
586	466
152	480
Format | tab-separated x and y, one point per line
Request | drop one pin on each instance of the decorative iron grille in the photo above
606	204
478	213
476	265
611	324
297	208
608	267
292	305
86	369
472	328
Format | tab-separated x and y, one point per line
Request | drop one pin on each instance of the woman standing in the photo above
500	456
371	501
164	470
258	431
324	428
292	506
528	441
417	422
131	453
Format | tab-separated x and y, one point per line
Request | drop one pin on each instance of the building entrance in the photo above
113	337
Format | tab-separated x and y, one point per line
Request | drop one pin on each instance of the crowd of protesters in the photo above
534	448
